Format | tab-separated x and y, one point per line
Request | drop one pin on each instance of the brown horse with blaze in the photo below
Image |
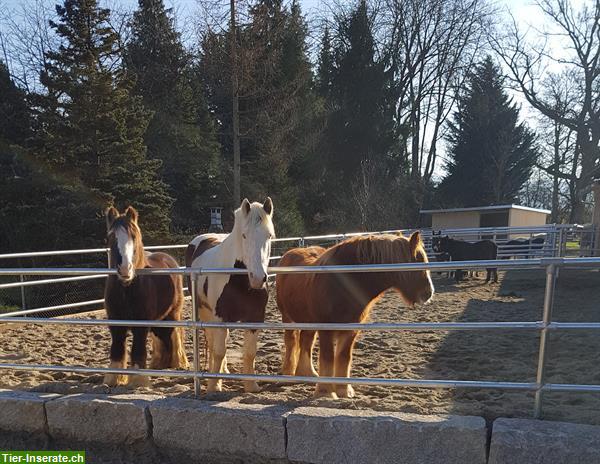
129	296
343	298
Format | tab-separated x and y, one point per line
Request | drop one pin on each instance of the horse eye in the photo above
244	236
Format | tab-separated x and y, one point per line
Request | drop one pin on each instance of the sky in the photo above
523	9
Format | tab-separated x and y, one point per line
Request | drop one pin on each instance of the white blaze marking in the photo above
126	247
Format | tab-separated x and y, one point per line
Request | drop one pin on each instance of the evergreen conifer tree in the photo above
91	129
277	104
362	121
491	153
180	132
325	64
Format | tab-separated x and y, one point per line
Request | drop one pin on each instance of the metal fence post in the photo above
193	284
23	304
551	272
560	241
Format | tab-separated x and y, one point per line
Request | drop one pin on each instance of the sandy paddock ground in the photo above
457	355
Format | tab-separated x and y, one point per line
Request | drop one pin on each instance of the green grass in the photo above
8	308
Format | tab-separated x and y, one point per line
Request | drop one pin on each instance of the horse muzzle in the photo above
257	282
125	276
425	297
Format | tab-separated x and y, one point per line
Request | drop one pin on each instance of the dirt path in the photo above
459	355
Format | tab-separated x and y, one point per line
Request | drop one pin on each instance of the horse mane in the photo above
369	249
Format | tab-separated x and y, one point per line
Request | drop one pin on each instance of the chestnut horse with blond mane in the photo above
343	298
140	297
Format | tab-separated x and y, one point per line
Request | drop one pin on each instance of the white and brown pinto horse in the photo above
140	297
235	298
343	298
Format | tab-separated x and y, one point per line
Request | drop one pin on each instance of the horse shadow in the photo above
512	355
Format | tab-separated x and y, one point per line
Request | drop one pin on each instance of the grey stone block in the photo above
120	419
527	441
321	435
226	429
23	411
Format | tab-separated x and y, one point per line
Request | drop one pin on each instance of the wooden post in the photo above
596	219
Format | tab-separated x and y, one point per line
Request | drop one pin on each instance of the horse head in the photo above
439	243
124	239
254	223
415	286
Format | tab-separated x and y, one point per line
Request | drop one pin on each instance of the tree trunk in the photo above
555	183
596	220
236	112
583	183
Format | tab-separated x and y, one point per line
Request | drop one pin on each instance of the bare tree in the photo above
577	55
431	46
25	38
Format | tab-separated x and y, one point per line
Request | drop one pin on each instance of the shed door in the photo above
494	219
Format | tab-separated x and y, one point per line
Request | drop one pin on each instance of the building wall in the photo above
521	218
455	220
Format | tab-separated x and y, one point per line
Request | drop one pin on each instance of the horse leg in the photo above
161	347
250	345
168	348
292	350
305	364
138	357
343	361
118	356
217	347
495	272
488	275
326	361
179	358
209	343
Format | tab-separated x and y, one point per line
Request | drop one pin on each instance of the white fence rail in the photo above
550	265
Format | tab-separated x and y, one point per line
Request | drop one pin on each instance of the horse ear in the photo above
131	214
415	242
268	206
245	206
111	214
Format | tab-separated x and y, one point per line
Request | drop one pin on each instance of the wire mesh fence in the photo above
54	292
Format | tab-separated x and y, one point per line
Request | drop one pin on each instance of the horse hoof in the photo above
251	387
114	380
345	392
138	381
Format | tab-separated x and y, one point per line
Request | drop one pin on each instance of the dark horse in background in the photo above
526	248
460	250
140	297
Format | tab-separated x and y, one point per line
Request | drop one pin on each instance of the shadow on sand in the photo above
512	355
